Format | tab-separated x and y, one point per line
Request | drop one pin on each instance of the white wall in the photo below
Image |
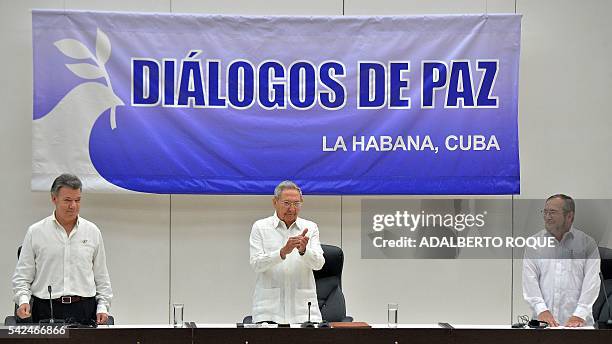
194	249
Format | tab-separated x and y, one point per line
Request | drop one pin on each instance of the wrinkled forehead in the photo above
290	194
554	204
66	192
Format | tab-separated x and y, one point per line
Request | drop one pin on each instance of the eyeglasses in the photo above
546	212
288	204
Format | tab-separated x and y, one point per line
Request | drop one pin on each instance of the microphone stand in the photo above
308	324
52	320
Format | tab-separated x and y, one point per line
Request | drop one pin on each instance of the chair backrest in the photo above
600	309
606	262
329	285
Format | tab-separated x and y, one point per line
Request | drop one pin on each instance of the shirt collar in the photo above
279	223
76	225
569	235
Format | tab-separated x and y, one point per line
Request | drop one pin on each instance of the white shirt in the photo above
563	280
283	288
71	265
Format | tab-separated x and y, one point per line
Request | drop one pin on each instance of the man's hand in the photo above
303	242
101	318
24	311
299	241
292	243
575	321
548	317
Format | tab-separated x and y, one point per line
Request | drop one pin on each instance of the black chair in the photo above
11	320
329	287
600	308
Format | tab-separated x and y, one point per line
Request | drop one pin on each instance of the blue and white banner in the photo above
215	104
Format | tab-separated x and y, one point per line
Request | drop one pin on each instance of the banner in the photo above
215	104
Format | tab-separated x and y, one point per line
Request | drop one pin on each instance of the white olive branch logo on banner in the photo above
77	50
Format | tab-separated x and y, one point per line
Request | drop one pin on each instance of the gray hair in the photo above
284	185
67	180
568	202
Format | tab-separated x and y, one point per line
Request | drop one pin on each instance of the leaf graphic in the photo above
103	47
86	70
73	48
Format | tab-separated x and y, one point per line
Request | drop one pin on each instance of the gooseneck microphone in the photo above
308	323
52	319
605	324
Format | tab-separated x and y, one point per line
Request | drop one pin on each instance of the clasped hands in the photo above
298	241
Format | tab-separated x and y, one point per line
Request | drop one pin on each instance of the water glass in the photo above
392	315
177	311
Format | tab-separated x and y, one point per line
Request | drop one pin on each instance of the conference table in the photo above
377	334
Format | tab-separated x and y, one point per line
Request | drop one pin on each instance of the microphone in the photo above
602	323
308	324
52	320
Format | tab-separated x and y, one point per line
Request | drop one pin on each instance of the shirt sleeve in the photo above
24	271
104	292
260	259
313	257
590	284
531	284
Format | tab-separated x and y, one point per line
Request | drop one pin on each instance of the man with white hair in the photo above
284	250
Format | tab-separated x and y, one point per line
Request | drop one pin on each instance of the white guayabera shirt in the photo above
71	265
283	288
563	280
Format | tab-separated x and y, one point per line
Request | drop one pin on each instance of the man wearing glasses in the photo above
561	283
284	249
